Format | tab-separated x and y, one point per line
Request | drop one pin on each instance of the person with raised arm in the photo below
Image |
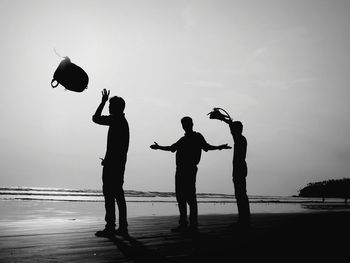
240	170
114	163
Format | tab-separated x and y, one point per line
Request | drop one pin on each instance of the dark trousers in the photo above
240	186
113	179
185	190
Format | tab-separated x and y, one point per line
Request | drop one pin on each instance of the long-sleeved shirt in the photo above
117	138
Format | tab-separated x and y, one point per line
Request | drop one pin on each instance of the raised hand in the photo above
154	146
105	95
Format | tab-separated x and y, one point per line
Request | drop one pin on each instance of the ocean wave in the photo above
92	195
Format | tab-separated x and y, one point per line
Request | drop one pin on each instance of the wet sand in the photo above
313	236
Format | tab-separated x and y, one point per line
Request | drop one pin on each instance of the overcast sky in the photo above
281	67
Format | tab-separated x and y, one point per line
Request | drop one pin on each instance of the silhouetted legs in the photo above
113	191
121	207
110	196
185	189
240	186
110	208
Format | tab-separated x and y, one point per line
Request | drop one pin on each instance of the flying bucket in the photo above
216	114
70	76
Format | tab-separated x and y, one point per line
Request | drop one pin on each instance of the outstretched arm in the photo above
207	147
97	118
156	146
219	147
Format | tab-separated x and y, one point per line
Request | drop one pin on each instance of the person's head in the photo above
116	105
237	127
187	124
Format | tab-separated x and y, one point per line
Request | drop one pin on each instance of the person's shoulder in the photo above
124	119
181	138
199	136
179	142
197	133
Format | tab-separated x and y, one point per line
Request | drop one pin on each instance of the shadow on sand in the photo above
183	247
136	250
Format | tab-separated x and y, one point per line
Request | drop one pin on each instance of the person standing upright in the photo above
240	170
188	154
114	163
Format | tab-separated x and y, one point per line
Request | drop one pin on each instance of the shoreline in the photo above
174	201
12	210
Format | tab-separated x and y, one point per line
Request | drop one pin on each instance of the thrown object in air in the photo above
217	114
70	76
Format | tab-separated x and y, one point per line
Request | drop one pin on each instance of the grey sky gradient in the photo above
281	67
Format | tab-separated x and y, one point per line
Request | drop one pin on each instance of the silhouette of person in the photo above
188	154
240	171
114	163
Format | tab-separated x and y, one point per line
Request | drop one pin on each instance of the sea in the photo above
165	202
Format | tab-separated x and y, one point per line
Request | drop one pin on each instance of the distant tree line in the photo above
339	188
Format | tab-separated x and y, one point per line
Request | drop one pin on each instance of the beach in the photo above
55	231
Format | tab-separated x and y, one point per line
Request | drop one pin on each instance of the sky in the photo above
280	67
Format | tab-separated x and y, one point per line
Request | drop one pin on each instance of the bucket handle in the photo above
54	85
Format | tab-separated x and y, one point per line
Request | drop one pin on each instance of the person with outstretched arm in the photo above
188	154
114	163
